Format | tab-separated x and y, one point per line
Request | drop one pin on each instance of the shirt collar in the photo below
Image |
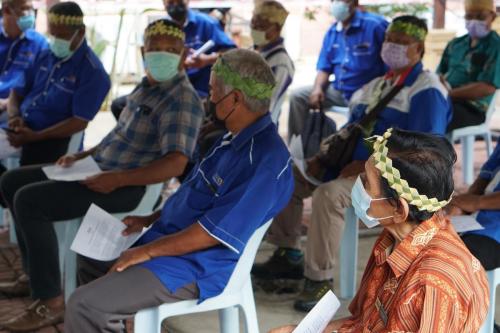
355	22
190	18
271	46
412	76
407	251
249	132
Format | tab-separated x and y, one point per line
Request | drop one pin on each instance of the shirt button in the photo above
34	103
51	80
44	93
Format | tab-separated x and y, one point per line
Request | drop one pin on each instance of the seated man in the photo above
196	240
267	21
470	66
483	198
351	52
62	91
152	142
420	105
420	276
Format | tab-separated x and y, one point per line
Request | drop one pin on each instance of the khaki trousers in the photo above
329	201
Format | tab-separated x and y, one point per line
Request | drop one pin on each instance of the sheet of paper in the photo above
318	318
6	149
80	170
297	153
463	223
100	236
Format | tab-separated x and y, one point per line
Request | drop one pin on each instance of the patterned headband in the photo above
58	19
248	86
271	13
159	28
393	177
409	29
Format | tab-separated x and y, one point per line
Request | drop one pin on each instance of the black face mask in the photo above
212	110
178	12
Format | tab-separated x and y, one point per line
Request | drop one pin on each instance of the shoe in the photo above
35	317
280	266
18	287
312	293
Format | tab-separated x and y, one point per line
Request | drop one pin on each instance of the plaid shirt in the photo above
157	120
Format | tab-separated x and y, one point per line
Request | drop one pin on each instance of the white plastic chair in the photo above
494	281
467	136
349	254
341	109
238	292
66	232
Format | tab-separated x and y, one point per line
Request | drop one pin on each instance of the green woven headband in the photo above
248	86
393	177
409	29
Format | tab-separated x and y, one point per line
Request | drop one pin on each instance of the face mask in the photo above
162	65
177	12
395	55
61	47
361	202
340	10
477	29
212	110
27	21
259	37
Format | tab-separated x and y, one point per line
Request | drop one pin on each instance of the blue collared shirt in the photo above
58	89
490	219
16	56
242	183
199	29
353	54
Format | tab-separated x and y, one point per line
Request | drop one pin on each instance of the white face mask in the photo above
259	37
361	202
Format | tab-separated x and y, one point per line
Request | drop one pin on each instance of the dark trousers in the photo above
36	202
485	249
464	114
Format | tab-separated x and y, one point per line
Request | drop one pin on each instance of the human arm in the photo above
317	96
137	223
68	160
473	91
13	104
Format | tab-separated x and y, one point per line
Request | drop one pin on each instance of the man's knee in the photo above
328	194
8	185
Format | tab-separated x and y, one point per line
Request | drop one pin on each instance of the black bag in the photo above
318	126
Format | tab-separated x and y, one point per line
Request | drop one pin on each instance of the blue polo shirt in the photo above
16	56
242	183
199	29
353	54
490	219
422	105
58	89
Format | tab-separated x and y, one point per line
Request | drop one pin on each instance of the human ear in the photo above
401	211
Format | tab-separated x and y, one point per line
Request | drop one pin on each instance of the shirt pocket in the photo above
66	84
363	55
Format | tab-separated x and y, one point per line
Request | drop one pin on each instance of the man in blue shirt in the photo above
483	198
421	105
196	240
351	52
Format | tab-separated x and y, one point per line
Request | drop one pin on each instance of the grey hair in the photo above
249	64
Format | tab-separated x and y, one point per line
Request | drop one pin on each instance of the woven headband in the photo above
393	177
65	19
159	28
409	29
248	86
271	13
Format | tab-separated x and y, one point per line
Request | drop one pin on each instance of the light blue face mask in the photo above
61	47
361	202
27	21
162	66
340	10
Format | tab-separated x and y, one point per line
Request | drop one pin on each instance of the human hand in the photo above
468	203
283	329
16	122
136	224
130	257
452	210
197	62
316	99
352	169
21	136
104	182
67	160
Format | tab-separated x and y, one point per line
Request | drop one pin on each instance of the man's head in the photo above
18	16
241	86
66	28
404	43
163	50
177	9
479	17
267	21
343	10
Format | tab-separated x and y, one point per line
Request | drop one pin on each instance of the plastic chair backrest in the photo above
242	270
492	107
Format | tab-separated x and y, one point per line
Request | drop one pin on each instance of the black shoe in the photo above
312	293
279	266
496	328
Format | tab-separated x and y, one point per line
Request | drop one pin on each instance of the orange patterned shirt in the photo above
429	283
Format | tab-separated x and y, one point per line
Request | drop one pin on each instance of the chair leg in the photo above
489	322
248	308
147	320
229	320
489	143
468	158
12	227
349	255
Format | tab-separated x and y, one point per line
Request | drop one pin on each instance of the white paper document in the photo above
80	170
100	236
463	223
297	153
318	318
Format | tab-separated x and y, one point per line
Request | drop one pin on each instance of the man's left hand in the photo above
104	182
467	202
131	257
22	136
